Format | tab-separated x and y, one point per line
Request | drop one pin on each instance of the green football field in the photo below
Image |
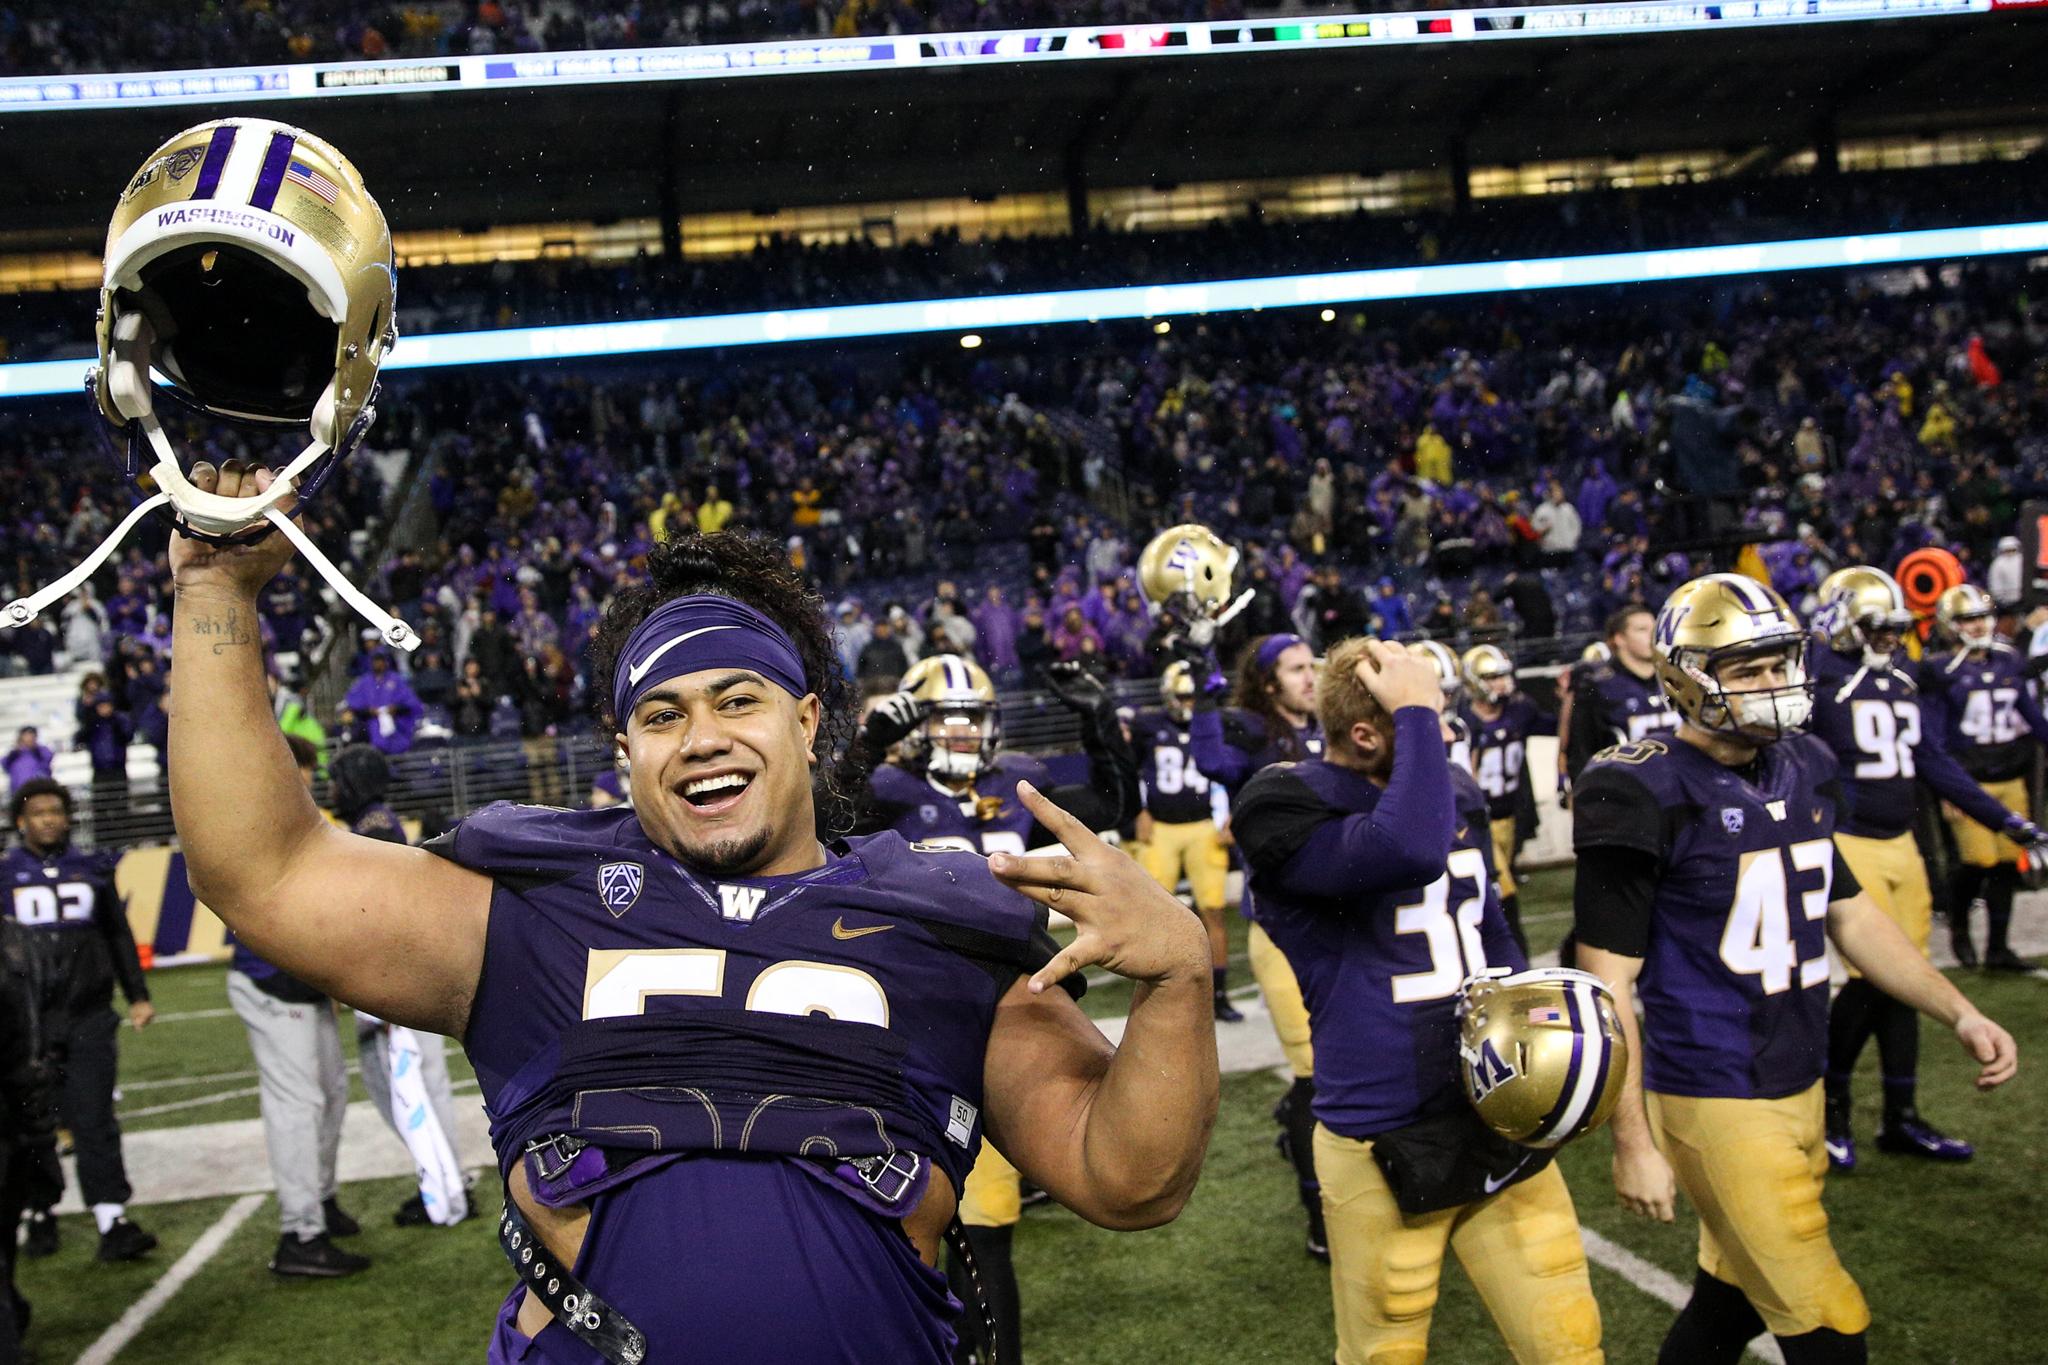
1950	1258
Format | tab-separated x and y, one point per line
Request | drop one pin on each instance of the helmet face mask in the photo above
1187	570
961	732
1863	610
1968	616
1731	657
1488	675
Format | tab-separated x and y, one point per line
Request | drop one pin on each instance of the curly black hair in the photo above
34	787
753	569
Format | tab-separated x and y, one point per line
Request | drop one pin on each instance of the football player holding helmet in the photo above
1369	869
1186	569
248	265
1709	884
1979	705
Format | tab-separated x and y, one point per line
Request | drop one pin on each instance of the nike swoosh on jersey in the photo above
639	670
840	931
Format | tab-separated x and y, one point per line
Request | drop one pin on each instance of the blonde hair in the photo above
1341	699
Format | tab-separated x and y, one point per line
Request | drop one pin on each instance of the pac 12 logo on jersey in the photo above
618	886
1487	1068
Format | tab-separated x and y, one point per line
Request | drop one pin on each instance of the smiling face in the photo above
721	772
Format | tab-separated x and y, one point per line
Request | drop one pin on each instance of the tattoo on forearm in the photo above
224	632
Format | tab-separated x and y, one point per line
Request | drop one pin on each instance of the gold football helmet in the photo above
1488	674
1968	616
1596	653
1858	606
1187	568
1714	620
247	265
1448	675
960	726
1541	1053
1177	689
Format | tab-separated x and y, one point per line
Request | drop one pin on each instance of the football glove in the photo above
893	718
1075	687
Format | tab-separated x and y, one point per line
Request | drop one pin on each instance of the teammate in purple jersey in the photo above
1371	870
1978	703
1618	701
1866	709
76	931
1273	721
735	1073
1710	885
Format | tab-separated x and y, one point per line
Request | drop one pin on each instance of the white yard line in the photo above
131	1323
180	1016
1657	1283
196	1102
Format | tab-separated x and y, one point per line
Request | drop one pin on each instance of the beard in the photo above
732	857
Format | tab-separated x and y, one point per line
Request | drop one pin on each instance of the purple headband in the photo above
1274	646
690	634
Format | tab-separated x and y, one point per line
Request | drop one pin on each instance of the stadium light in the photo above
972	341
1156	302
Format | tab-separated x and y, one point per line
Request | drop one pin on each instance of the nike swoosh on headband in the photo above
639	670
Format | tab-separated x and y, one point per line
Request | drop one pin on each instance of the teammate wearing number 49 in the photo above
1979	705
1499	724
1709	884
1868	710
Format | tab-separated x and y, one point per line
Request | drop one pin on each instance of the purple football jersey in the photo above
990	819
1872	720
1176	791
1979	706
1734	981
737	1252
1500	747
1382	919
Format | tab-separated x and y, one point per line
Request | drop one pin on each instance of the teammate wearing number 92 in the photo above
1369	868
1709	884
736	1071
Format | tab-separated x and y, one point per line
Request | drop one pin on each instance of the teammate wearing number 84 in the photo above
1709	885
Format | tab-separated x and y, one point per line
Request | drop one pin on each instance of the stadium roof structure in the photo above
659	148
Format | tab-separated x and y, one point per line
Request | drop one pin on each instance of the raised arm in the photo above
395	930
1117	1134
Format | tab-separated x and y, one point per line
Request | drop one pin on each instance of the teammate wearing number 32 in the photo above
1371	873
1709	885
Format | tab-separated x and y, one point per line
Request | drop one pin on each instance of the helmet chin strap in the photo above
213	516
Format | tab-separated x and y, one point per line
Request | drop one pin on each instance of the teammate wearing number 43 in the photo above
1868	710
1709	884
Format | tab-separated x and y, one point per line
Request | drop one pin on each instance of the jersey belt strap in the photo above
594	1322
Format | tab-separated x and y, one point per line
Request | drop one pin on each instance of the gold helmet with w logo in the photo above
1488	674
1541	1053
1968	616
1448	675
960	725
1187	569
1177	689
1714	621
1858	606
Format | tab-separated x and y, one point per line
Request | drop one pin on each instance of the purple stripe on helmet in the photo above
1571	1073
1600	1075
216	161
275	161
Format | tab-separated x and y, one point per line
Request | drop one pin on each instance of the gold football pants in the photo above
1978	846
1895	875
1275	975
1520	1247
993	1196
1753	1169
1194	848
1504	856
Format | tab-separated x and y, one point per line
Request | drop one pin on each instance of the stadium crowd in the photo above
991	502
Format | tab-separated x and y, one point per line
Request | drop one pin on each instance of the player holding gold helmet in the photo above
1979	705
1542	1052
1369	869
1867	709
1186	570
1709	885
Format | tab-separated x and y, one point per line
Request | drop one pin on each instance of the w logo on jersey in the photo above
741	903
618	886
